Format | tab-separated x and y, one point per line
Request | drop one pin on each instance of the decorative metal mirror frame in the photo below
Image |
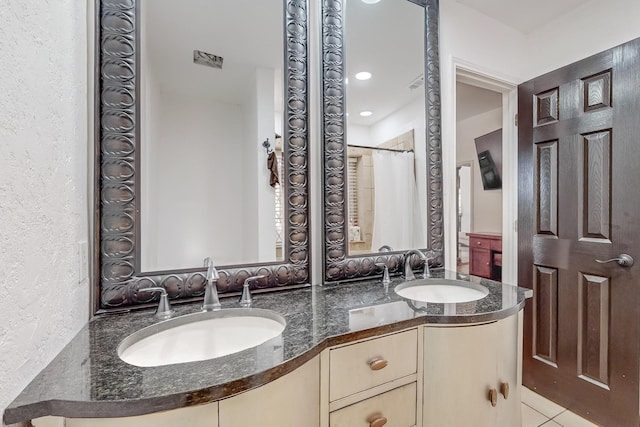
117	212
337	264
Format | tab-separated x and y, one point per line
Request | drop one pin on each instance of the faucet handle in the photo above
386	280
426	273
164	310
212	273
245	299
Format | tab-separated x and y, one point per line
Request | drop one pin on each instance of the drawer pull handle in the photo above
377	364
493	397
504	390
377	421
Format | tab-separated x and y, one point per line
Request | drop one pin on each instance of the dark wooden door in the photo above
579	200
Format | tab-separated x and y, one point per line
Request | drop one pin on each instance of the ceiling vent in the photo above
417	82
208	59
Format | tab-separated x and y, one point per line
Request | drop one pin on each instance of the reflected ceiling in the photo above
393	57
244	40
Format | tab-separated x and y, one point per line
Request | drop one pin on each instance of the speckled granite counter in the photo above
88	379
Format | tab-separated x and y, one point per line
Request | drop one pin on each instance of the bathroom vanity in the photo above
350	354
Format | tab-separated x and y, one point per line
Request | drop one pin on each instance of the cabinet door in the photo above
480	260
509	368
459	371
196	416
289	401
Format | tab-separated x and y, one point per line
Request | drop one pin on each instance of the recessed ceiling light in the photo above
366	113
363	75
370	1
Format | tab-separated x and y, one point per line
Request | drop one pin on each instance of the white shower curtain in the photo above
397	218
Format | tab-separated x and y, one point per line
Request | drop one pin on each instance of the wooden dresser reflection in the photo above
485	255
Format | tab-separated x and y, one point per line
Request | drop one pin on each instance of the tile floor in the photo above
539	411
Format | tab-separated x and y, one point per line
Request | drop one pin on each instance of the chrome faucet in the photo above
245	299
211	301
408	272
386	280
164	310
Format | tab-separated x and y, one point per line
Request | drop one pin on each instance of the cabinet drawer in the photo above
350	370
496	245
474	242
398	406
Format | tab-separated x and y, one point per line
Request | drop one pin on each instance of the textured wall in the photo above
43	184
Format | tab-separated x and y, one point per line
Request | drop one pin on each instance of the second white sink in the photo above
200	336
441	291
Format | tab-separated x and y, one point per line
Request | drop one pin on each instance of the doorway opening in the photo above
464	191
483	215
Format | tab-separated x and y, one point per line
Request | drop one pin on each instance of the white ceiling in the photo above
472	100
523	15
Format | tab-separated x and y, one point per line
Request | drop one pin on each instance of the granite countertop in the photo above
88	379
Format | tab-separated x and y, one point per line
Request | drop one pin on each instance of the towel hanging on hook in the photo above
272	164
267	145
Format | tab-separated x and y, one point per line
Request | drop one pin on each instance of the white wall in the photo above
205	178
195	177
594	27
258	225
359	135
43	183
265	209
487	204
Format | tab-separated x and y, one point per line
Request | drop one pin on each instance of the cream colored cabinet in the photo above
290	401
396	407
472	374
372	382
194	416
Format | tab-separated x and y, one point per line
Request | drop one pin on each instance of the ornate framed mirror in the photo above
381	107
165	199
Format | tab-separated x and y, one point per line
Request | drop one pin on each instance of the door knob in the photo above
623	260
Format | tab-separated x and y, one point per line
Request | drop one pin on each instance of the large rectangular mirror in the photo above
207	102
203	146
382	134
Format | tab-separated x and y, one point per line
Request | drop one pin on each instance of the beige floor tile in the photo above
551	424
569	419
541	404
531	417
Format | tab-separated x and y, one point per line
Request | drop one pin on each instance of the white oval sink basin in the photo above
442	291
200	336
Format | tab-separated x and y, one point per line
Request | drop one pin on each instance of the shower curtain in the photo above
397	218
